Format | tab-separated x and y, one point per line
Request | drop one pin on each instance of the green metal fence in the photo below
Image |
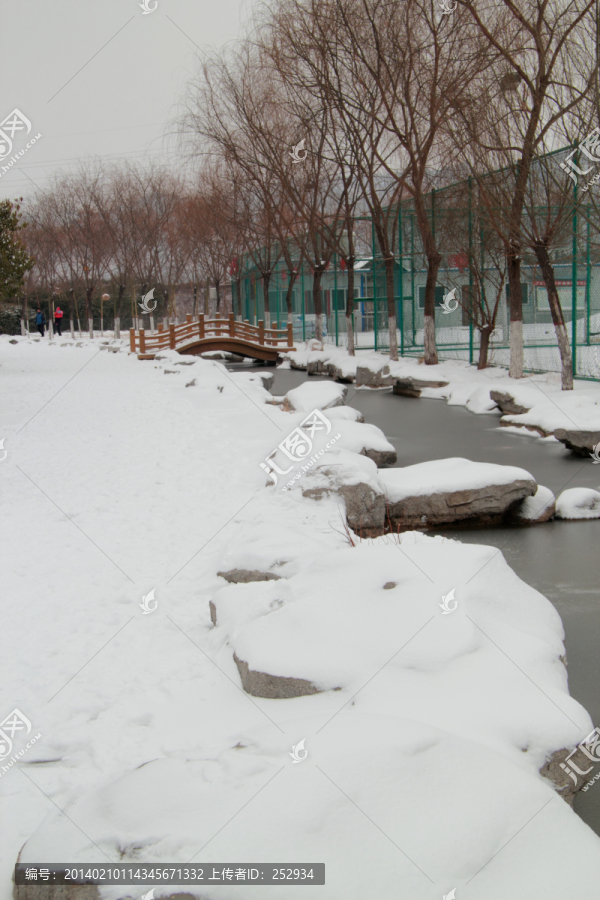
473	266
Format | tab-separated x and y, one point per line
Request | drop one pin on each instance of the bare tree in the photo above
519	115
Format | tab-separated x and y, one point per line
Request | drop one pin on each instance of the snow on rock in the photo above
453	490
366	439
572	416
578	503
538	508
334	413
378	376
354	478
516	401
315	395
580	441
434	735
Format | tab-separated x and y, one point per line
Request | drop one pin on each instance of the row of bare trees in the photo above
126	226
391	100
334	110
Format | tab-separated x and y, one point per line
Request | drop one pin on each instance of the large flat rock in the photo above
580	442
412	387
450	491
369	377
507	403
272	687
319	395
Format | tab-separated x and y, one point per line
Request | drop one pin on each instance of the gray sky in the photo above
100	78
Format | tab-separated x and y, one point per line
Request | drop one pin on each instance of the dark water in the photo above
559	559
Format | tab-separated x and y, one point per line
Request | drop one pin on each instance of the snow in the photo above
579	410
358	437
578	503
316	395
422	771
447	475
531	508
334	413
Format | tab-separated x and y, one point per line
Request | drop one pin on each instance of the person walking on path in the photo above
58	316
40	321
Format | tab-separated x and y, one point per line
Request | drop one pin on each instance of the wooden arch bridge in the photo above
196	336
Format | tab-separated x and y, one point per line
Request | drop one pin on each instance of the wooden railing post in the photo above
188	318
231	325
261	332
132	339
142	340
201	326
290	334
172	336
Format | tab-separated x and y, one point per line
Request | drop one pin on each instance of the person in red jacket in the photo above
58	315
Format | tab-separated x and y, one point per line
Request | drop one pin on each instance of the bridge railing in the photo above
193	330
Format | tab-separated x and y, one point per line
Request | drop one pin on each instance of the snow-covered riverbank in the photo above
428	731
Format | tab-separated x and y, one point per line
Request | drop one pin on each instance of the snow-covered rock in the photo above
443	491
374	376
315	395
507	403
578	503
581	442
367	439
354	478
414	387
334	413
535	509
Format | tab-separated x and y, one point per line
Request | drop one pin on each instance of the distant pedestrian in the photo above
40	321
58	316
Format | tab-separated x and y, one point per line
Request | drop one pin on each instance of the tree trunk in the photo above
515	334
485	333
89	310
288	295
558	320
391	305
76	312
429	348
318	274
23	314
118	311
71	321
218	310
266	280
350	305
434	260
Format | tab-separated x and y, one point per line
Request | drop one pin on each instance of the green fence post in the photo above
588	280
412	275
574	286
335	298
374	287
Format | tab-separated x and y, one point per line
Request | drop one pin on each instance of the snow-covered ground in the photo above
427	734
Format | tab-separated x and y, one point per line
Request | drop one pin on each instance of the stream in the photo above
557	558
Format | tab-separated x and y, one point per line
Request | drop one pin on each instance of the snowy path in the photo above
147	479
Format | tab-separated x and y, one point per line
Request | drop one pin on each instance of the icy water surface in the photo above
559	559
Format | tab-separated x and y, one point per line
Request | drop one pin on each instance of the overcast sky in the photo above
100	77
